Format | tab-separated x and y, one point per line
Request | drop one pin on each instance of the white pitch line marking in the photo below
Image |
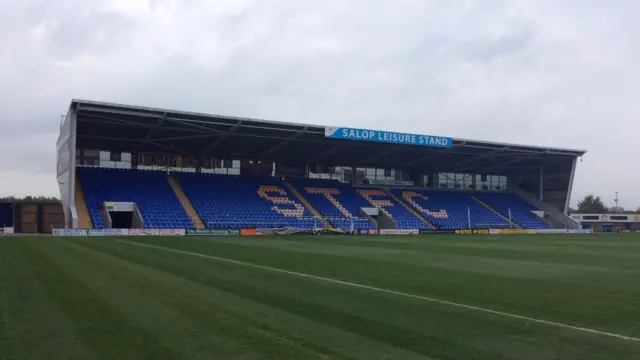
393	292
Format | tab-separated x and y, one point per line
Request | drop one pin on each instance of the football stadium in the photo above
193	236
125	167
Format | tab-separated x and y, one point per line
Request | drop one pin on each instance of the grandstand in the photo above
137	167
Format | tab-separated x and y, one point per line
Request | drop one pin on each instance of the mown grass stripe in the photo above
242	293
538	292
232	335
397	293
103	328
31	325
404	342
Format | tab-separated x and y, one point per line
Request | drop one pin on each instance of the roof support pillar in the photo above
570	187
541	183
435	180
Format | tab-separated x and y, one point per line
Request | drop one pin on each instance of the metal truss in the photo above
497	166
160	128
432	155
330	151
222	137
389	151
475	158
278	146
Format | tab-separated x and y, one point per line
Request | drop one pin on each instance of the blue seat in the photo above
224	201
150	190
454	209
521	211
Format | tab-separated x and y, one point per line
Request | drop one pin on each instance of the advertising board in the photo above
540	231
141	232
511	231
171	232
472	232
249	232
108	232
399	231
550	231
212	232
118	232
70	232
367	232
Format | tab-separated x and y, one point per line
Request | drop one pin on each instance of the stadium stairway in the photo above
186	203
403	218
496	212
330	195
336	202
306	203
84	219
231	201
154	198
450	210
411	210
521	211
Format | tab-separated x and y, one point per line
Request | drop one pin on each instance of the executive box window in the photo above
614	217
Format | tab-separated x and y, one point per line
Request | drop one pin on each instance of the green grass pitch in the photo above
315	297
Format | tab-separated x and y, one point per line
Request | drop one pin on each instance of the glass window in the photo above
370	174
618	217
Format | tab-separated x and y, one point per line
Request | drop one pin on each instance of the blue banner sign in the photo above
387	137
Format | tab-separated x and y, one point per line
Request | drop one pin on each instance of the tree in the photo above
592	205
29	199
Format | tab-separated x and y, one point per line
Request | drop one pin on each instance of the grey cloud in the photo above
486	49
94	32
535	72
33	154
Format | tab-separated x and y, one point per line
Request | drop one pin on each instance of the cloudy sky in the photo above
552	73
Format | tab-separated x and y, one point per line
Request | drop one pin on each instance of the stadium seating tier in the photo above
251	201
451	209
245	201
339	203
342	201
521	211
149	190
